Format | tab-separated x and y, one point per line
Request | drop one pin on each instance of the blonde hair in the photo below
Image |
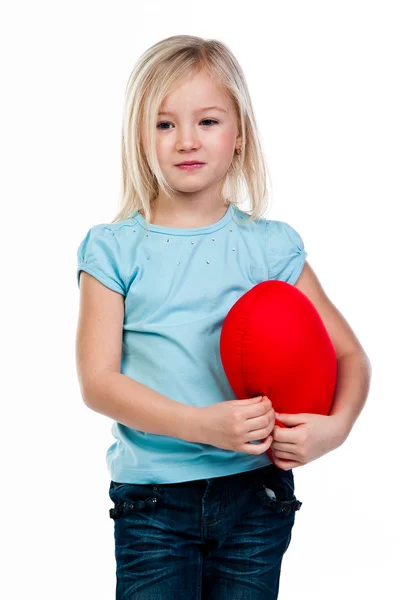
157	73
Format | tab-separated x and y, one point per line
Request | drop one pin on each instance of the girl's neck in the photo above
162	219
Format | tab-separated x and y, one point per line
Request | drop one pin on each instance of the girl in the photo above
199	510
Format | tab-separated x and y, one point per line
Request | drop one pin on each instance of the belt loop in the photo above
116	512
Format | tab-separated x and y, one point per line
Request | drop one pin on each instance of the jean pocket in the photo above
276	490
132	497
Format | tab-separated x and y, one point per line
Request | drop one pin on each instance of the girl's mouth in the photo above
191	167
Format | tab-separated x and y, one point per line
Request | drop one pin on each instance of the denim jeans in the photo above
211	539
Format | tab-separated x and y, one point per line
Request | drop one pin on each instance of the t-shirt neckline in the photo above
186	230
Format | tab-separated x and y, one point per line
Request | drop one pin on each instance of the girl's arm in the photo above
352	388
309	436
103	387
354	367
135	405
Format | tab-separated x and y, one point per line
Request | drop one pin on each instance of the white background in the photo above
324	80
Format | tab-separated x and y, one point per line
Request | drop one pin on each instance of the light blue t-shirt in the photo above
178	285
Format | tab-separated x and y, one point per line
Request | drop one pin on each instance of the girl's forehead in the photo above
200	90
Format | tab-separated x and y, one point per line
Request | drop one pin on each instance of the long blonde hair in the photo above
156	73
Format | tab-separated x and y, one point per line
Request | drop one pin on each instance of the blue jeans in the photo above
212	539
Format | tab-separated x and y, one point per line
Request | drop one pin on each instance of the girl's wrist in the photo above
190	424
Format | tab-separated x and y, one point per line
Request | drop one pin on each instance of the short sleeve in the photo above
285	251
100	255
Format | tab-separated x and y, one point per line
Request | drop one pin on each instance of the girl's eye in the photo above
168	123
162	123
209	120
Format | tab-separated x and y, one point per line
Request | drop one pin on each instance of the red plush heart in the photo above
274	343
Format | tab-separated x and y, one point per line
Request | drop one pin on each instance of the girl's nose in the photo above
187	143
187	139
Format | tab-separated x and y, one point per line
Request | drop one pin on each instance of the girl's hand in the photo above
232	424
308	437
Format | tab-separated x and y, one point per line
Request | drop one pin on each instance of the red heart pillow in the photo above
274	343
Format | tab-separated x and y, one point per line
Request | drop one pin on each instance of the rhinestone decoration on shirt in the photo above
207	261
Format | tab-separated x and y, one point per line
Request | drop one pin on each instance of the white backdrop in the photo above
324	80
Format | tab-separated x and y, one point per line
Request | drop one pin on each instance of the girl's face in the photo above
188	132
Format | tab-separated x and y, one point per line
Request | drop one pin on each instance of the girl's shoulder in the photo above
282	231
115	228
285	251
105	252
103	232
275	231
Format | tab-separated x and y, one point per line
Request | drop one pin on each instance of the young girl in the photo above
199	509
